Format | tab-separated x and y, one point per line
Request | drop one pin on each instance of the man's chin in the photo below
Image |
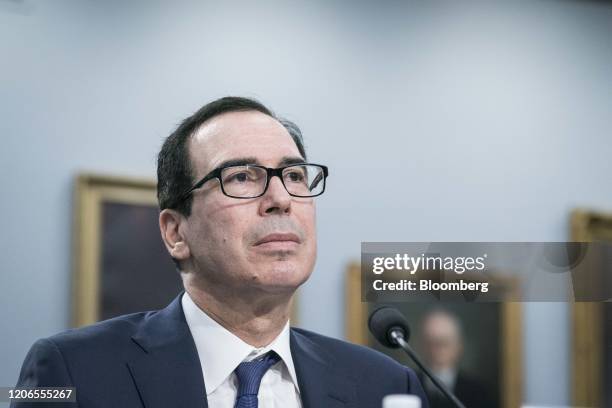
282	278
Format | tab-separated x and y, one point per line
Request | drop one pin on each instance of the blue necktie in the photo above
249	375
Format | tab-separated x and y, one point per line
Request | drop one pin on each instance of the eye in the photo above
241	177
295	176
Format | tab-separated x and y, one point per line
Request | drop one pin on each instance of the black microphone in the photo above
390	328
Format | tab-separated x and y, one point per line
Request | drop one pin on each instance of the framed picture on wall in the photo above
120	263
591	324
490	336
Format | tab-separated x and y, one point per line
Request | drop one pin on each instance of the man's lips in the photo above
280	238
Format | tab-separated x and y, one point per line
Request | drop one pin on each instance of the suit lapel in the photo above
320	384
167	370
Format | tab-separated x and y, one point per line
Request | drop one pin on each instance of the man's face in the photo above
266	242
442	341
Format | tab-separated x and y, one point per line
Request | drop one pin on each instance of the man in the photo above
238	217
442	341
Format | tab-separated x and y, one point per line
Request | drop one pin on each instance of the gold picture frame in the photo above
92	193
511	384
587	318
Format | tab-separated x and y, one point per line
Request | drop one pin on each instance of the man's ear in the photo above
169	225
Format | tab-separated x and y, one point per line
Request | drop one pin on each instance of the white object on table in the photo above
401	401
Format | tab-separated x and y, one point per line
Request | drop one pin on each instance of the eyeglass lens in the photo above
250	181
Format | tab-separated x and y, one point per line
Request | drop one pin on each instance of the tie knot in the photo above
250	373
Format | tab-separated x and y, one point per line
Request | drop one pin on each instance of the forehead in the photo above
235	135
441	324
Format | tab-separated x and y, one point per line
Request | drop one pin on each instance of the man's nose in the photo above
276	199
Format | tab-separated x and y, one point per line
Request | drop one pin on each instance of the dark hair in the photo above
174	170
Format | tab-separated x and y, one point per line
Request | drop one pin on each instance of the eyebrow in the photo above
288	160
242	161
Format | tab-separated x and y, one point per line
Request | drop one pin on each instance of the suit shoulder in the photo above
365	366
345	351
107	333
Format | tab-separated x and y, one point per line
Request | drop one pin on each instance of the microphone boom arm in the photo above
397	336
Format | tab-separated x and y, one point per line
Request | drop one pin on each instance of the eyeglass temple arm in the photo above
316	180
198	185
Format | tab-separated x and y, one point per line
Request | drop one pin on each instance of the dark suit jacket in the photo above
150	360
469	390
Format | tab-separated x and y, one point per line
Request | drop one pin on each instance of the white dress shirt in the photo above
220	352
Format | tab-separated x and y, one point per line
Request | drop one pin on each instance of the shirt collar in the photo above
220	351
447	376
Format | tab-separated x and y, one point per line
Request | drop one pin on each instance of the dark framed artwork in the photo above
492	352
591	324
120	263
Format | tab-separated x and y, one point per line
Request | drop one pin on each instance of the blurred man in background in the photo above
442	341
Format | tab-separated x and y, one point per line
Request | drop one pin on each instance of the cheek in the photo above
215	234
307	223
311	230
231	236
307	218
229	232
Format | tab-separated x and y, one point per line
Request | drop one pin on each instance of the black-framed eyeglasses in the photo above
251	180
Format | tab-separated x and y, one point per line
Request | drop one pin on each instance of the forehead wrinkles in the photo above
237	134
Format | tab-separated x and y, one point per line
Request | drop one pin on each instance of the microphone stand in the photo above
397	336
